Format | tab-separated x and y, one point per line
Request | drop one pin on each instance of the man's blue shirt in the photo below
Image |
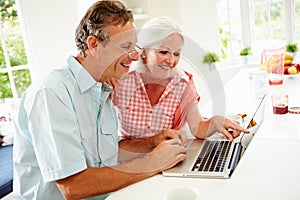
65	124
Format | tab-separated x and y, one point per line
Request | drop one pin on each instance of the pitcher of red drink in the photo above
273	61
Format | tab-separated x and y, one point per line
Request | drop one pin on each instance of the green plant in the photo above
224	37
291	47
245	51
210	57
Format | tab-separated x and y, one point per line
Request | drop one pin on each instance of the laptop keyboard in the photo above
213	156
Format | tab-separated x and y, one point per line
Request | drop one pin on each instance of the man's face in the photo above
122	47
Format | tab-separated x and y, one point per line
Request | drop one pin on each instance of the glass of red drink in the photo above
280	104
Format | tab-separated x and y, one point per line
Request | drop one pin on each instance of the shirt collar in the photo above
180	76
106	89
84	79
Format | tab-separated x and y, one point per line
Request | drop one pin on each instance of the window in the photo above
14	69
269	24
262	24
297	20
230	28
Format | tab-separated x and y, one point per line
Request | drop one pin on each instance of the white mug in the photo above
182	193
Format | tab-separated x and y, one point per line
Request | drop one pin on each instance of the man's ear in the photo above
92	43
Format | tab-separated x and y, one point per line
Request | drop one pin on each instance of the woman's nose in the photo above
171	59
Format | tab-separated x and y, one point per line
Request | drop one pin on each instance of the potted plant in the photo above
211	58
245	52
292	48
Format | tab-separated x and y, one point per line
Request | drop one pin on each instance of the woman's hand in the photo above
230	129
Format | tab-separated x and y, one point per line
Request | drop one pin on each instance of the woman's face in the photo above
161	61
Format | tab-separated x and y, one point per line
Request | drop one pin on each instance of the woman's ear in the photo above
143	56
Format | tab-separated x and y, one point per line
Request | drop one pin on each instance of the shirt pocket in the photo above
108	146
89	142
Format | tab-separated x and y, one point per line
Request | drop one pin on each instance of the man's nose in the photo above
134	56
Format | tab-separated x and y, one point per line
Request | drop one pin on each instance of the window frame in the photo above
9	69
248	27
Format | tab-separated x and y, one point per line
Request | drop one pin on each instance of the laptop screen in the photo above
257	116
255	121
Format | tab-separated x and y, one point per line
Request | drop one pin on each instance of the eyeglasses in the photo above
131	53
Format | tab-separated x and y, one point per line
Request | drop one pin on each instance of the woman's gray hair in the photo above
152	35
154	31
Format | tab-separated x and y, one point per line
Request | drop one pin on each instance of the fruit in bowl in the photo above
288	58
297	66
292	69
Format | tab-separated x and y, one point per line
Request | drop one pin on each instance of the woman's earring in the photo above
143	56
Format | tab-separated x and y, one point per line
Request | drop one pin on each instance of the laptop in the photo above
217	158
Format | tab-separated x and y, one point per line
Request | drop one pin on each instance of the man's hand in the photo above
168	135
167	154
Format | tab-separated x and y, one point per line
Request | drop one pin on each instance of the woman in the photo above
156	95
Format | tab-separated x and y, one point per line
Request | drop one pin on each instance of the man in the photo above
66	144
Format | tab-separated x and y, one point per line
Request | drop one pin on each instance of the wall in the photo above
200	23
49	30
198	18
50	26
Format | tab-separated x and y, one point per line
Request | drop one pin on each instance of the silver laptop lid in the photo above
257	116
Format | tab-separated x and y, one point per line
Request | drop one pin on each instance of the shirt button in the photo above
150	111
148	127
95	103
